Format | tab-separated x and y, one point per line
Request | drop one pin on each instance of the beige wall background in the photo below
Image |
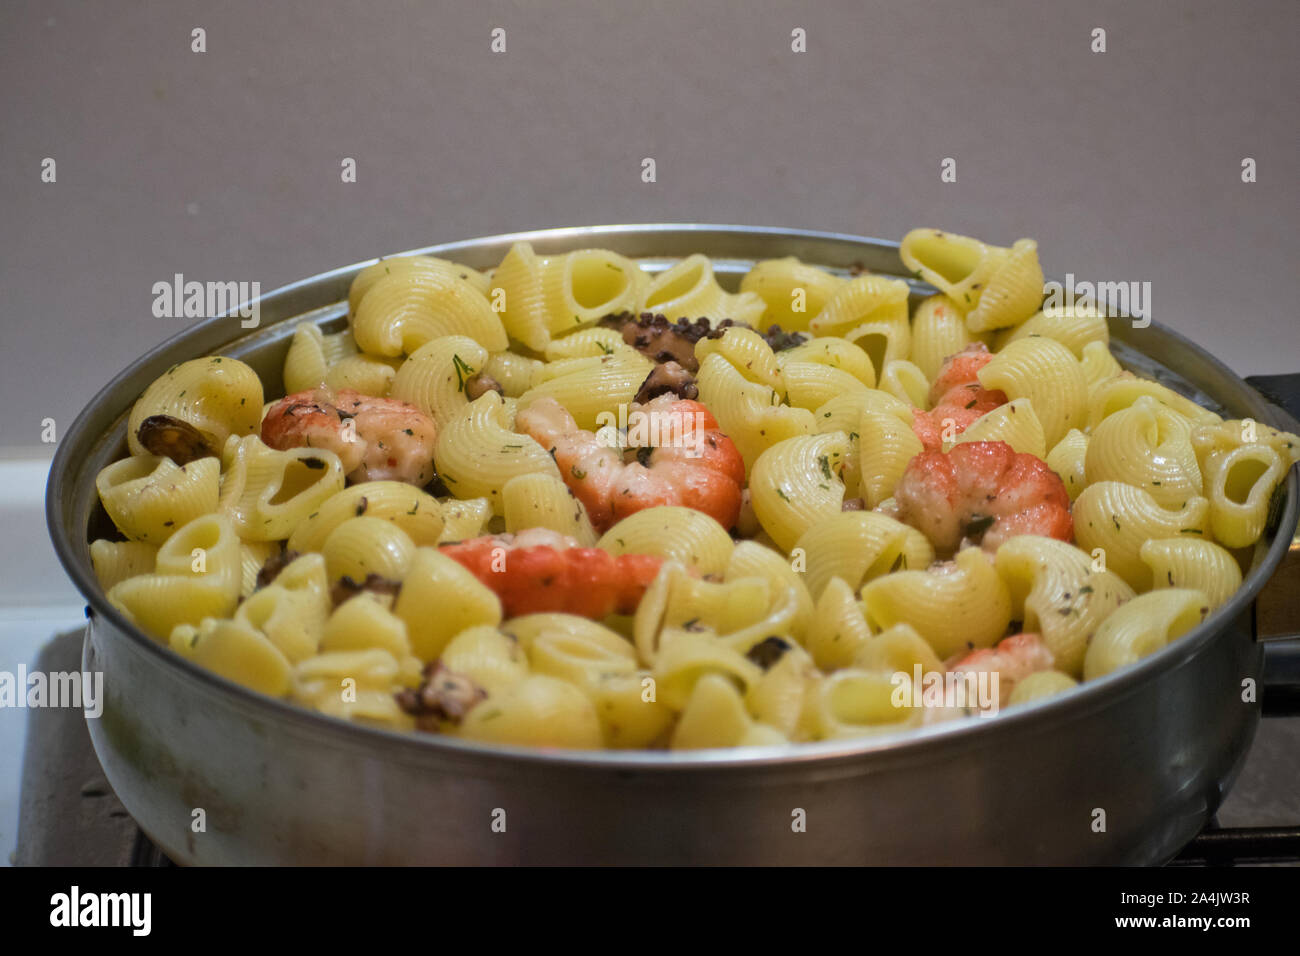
225	165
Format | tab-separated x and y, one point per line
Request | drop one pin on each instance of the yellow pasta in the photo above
401	311
750	414
1068	458
414	511
782	697
544	501
811	385
735	614
1143	626
293	610
464	519
957	606
220	396
477	452
1113	520
844	413
685	657
398	266
206	549
585	658
589	388
354	685
582	287
1074	326
539	711
906	382
1056	594
856	703
713	716
1124	389
236	652
1191	563
462	602
752	560
673	533
630	714
829	350
998	287
795	482
311	354
363	623
584	343
1208	438
898	649
517	294
747	352
792	292
1147	445
838	631
885	446
268	493
1014	423
1239	485
1047	373
434	376
938	331
1039	685
858	546
491	659
360	547
689	290
148	497
115	561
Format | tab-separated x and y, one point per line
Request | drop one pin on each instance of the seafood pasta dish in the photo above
570	503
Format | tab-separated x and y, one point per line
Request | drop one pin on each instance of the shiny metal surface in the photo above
1121	770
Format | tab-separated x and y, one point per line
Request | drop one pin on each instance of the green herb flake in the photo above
463	371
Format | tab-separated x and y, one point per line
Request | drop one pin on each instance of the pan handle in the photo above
1277	609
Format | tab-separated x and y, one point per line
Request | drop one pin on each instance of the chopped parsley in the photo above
463	371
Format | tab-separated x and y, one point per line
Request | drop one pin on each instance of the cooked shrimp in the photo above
1012	659
539	570
385	440
694	465
982	491
957	397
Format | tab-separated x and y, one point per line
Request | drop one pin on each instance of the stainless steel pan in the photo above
1125	769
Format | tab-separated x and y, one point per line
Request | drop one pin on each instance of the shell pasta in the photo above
574	502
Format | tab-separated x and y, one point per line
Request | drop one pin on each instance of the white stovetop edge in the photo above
37	601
